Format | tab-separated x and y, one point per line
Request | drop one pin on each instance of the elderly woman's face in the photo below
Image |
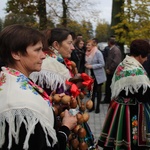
66	47
32	61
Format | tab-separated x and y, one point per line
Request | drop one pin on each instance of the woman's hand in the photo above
107	71
69	120
88	66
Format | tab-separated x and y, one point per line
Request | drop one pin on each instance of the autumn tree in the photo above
20	19
116	9
102	31
85	28
30	8
135	21
57	10
64	14
42	14
74	26
115	19
62	11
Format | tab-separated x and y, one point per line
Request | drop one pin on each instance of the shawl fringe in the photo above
50	79
118	86
15	118
130	83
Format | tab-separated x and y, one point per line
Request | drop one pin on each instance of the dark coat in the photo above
113	59
78	56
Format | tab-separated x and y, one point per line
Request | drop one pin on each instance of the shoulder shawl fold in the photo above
21	104
53	74
129	76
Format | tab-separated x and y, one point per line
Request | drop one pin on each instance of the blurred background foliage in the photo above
130	18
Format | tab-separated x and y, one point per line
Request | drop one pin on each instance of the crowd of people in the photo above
44	78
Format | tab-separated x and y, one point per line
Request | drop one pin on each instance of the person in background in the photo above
26	114
105	52
95	66
79	36
107	48
95	41
78	55
58	44
112	61
127	123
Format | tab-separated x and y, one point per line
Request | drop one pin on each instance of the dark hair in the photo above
112	40
59	35
16	38
73	35
77	42
95	40
139	47
79	34
47	33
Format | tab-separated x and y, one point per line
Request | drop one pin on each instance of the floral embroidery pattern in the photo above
24	83
39	89
120	72
2	80
13	72
56	54
135	129
22	79
28	84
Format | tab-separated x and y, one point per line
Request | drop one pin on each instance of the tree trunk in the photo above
42	14
64	16
116	9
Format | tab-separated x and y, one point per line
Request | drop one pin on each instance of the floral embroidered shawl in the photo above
129	76
24	101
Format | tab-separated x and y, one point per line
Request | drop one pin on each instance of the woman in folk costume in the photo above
27	120
127	124
95	67
53	75
56	68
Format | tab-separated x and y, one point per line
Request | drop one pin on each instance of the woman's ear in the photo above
140	57
56	45
15	55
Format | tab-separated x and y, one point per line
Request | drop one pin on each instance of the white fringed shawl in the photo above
19	100
129	76
53	74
